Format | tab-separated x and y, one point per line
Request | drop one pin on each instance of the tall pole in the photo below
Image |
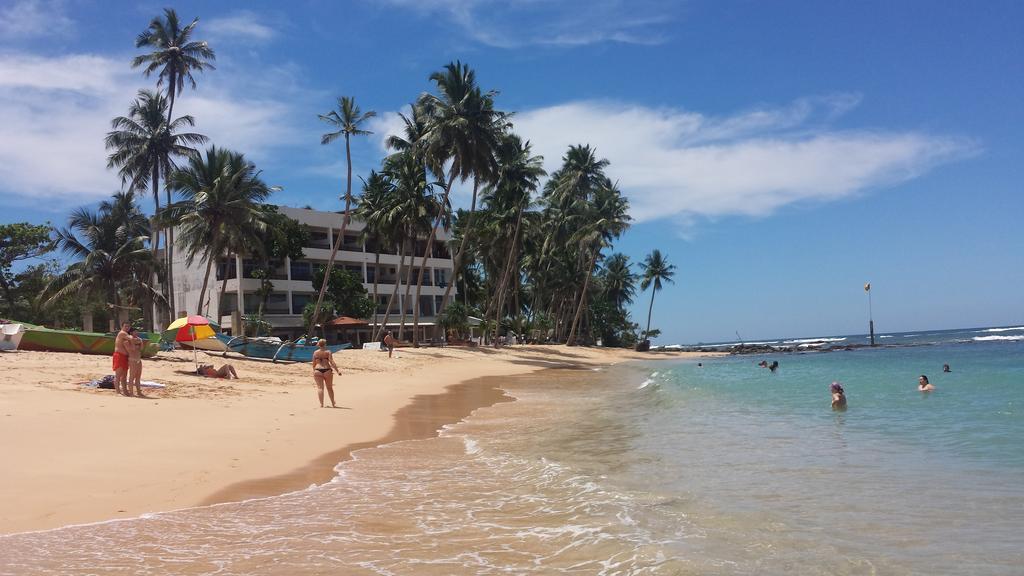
871	319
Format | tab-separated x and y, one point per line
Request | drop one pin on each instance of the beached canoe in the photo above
10	336
274	349
48	340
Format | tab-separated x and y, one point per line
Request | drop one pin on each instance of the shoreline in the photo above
420	419
78	455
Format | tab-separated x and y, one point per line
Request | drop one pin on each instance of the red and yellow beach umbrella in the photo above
190	329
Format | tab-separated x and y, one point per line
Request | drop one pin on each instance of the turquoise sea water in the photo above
660	467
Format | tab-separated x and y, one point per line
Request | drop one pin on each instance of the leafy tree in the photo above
222	197
144	145
347	119
463	130
283	237
114	265
455	320
174	54
20	241
346	293
656	270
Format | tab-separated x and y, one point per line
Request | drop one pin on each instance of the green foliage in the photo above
345	294
113	264
455	320
307	312
19	241
174	55
256	325
283	237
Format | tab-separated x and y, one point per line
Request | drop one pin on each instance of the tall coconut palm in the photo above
606	220
347	119
143	146
174	54
221	196
413	207
463	130
619	281
113	263
511	193
656	270
410	154
371	209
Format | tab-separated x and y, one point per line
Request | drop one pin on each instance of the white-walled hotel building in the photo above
293	287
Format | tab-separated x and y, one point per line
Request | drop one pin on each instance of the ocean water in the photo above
656	468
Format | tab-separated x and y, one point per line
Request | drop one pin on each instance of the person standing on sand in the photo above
389	343
924	385
134	364
120	360
323	361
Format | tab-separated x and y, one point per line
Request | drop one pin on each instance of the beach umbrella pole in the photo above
195	351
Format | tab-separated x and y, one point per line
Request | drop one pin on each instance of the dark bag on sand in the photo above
106	382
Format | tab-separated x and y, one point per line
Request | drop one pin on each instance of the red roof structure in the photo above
347	322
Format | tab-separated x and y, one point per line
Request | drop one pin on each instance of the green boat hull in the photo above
47	340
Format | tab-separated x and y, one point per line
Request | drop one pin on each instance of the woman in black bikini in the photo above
322	375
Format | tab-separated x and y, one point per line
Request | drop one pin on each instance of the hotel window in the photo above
302	270
277	303
299	302
426	306
319	240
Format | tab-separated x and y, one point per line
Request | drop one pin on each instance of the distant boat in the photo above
47	340
10	336
274	349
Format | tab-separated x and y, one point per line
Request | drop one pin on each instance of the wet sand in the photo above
77	455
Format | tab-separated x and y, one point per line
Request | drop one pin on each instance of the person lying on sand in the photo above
838	396
225	371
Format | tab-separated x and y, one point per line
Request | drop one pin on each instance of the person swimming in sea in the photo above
838	396
773	366
924	385
945	368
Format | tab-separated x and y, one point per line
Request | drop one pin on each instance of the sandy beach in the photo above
74	454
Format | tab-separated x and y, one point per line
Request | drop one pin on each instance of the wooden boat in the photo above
48	340
274	349
10	336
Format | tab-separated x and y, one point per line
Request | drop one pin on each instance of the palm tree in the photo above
656	270
412	208
463	128
371	209
113	261
174	54
506	199
221	196
606	220
619	281
347	119
144	146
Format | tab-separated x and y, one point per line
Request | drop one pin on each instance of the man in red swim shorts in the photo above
121	359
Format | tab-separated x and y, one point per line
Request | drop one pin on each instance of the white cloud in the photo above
242	26
680	165
34	18
515	23
56	112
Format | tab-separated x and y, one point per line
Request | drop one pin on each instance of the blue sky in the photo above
781	154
